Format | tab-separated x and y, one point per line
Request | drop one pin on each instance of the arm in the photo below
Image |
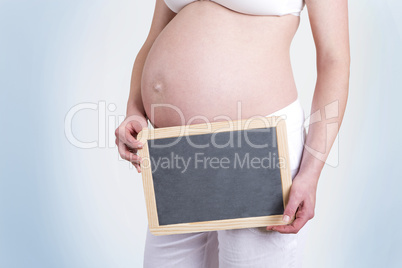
136	118
329	24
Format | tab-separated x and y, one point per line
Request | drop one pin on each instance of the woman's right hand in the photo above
126	141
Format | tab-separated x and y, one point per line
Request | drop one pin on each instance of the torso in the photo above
212	63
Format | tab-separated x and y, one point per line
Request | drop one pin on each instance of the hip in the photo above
293	115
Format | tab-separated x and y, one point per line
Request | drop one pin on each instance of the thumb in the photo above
136	123
291	208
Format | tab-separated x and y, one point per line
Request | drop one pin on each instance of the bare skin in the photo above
209	58
205	62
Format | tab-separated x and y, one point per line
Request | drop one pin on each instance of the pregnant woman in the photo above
206	61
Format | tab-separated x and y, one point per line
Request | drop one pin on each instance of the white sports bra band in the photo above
251	7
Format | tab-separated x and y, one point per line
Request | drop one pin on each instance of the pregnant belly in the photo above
210	64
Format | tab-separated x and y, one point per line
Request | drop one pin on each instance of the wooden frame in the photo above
208	128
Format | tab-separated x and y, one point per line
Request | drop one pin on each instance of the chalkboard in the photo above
222	175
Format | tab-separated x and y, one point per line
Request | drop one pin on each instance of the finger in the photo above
137	167
295	226
124	135
136	123
127	155
291	208
121	143
130	141
123	148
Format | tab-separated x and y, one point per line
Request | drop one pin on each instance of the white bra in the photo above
251	7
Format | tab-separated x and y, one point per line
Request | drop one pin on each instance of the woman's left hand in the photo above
301	204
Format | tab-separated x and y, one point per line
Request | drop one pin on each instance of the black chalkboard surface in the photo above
222	175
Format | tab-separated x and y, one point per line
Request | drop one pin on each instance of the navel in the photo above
158	87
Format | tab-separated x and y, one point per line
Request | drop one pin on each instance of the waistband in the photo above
293	114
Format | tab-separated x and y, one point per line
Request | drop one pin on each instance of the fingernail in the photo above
286	218
140	145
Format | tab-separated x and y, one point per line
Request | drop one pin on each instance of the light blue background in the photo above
62	206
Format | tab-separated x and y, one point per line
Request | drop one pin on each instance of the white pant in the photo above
248	247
